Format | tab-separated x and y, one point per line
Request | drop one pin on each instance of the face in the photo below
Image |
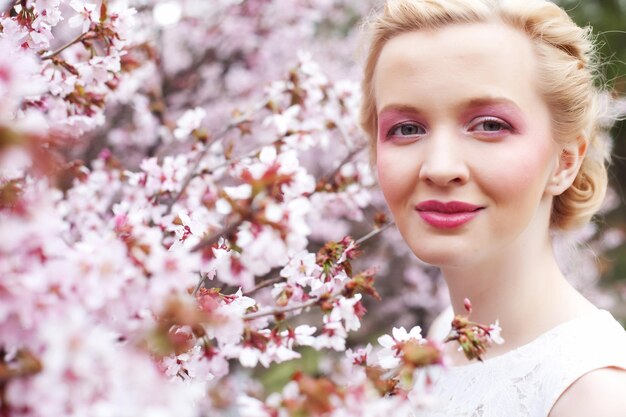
465	150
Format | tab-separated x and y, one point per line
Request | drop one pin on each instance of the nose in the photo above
444	161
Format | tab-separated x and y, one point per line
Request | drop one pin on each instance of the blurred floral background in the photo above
608	19
171	175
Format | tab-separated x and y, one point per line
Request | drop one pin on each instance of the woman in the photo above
483	120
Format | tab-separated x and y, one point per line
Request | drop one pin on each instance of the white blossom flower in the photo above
494	333
249	357
285	120
361	355
240	192
84	16
19	78
303	335
252	407
274	213
333	336
268	155
301	269
388	356
188	122
345	311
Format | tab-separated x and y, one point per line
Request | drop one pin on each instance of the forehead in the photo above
456	62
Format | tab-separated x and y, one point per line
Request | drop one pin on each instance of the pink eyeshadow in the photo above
509	113
388	118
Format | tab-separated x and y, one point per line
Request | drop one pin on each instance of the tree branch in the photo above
373	233
248	154
264	284
201	282
225	231
193	171
77	39
359	241
331	177
280	310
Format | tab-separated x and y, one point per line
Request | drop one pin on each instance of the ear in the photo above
569	161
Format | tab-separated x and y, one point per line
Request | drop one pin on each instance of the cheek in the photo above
519	176
394	176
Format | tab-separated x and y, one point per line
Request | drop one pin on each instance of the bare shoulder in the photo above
600	393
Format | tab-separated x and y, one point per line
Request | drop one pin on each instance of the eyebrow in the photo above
404	108
470	103
487	101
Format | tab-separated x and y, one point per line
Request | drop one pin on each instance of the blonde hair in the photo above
566	61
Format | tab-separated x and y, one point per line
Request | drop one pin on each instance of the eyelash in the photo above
481	120
401	125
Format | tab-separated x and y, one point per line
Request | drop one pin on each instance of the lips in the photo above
447	215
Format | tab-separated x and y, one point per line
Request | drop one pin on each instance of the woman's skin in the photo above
461	118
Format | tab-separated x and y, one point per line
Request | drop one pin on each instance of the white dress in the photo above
528	380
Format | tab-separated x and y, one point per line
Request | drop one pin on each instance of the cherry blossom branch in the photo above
225	231
74	41
348	158
281	310
201	281
359	241
169	83
374	232
214	238
264	284
252	152
193	171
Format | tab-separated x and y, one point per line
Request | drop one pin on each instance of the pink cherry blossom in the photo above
388	357
176	195
85	14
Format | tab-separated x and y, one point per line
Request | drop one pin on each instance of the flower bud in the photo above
467	304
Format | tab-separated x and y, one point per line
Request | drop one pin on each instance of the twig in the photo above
374	233
210	241
201	282
271	312
248	154
216	236
253	151
359	241
311	302
192	172
64	47
264	284
233	226
352	154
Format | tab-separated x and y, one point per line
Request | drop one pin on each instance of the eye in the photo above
407	129
490	125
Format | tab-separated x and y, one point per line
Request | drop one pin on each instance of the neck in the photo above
522	287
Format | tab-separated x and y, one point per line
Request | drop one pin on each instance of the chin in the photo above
441	259
444	253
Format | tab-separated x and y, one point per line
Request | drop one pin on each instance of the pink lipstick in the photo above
447	215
